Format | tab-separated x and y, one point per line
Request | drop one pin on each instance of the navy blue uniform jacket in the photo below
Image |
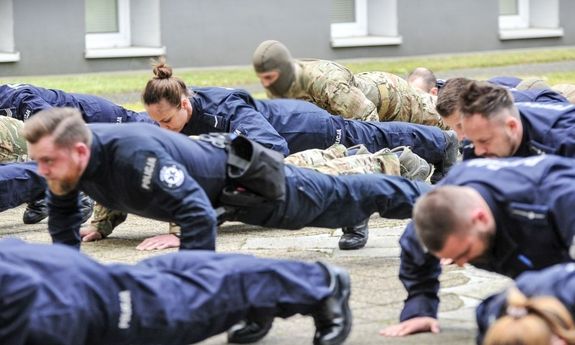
557	281
290	126
21	101
155	173
218	109
146	178
532	201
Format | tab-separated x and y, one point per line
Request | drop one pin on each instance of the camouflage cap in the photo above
273	55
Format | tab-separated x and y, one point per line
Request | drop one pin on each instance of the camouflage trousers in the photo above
567	90
339	160
398	101
335	160
12	144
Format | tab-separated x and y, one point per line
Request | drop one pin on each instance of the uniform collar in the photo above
524	150
502	246
96	153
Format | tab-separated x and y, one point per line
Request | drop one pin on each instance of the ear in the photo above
513	125
82	150
479	215
511	122
434	91
186	104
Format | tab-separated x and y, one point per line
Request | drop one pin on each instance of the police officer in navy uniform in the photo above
302	126
448	101
55	295
503	215
546	294
21	101
498	127
155	173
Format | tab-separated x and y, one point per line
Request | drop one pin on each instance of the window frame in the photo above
353	29
518	21
119	39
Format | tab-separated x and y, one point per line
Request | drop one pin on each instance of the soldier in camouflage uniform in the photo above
12	144
367	96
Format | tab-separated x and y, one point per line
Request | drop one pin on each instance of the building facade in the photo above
80	36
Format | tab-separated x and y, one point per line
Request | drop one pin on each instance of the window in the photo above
122	28
525	19
107	23
364	23
349	18
513	14
8	51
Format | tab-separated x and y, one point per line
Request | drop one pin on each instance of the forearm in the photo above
64	219
419	273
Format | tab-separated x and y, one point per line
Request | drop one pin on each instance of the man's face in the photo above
268	78
494	137
465	246
169	116
62	167
454	122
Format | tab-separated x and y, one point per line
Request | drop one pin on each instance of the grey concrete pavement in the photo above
377	293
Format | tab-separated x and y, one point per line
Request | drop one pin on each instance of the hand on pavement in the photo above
159	242
411	326
89	234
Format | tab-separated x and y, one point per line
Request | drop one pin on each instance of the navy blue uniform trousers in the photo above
315	199
52	294
19	183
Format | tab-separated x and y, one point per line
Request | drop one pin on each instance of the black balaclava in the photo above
273	55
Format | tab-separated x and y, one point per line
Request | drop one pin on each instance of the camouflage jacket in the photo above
12	143
368	96
332	87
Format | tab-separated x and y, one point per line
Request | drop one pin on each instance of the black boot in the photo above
354	237
35	211
251	330
86	207
333	317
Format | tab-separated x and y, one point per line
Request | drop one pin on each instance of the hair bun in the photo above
161	70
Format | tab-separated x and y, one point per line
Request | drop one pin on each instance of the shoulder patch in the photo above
171	176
